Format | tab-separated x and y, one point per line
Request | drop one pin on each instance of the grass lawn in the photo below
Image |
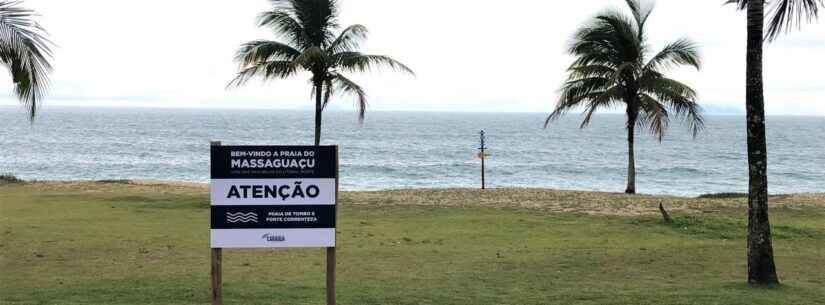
126	243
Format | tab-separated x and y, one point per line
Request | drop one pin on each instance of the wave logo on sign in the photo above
241	217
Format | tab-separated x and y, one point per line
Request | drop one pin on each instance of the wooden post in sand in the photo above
217	257
482	156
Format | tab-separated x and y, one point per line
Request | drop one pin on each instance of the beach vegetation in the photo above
9	178
26	53
309	43
614	67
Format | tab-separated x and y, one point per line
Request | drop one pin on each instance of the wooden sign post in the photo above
331	250
273	197
217	259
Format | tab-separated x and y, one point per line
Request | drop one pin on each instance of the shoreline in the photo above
192	184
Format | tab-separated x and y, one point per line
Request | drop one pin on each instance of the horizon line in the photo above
180	107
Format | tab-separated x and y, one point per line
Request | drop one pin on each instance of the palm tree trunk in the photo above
631	153
761	267
318	113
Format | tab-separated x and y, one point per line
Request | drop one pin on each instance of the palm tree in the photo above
612	69
785	14
307	27
25	52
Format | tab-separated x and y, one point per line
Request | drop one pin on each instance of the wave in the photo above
241	217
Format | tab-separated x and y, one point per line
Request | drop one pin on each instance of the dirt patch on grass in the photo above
592	203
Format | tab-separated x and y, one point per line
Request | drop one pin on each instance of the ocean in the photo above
393	150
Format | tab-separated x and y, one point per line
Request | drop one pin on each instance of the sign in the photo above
273	196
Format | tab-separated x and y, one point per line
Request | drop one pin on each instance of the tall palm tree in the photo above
307	27
612	68
785	15
25	52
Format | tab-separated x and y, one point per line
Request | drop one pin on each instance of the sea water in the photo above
392	150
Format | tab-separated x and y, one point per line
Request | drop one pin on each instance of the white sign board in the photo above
273	196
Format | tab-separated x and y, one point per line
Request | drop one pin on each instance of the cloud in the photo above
468	55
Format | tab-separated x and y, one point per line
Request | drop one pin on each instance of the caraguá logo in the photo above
273	237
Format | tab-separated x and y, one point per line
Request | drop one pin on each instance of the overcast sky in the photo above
469	55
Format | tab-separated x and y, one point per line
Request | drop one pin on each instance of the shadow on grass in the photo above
736	195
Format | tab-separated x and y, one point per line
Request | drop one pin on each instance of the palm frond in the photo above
670	85
601	100
591	45
25	51
349	87
277	69
679	53
575	89
654	116
318	18
284	25
592	53
641	12
258	51
562	107
595	70
349	40
681	99
329	90
609	39
740	4
788	14
357	62
585	90
624	36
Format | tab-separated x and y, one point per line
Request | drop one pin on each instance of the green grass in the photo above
119	243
